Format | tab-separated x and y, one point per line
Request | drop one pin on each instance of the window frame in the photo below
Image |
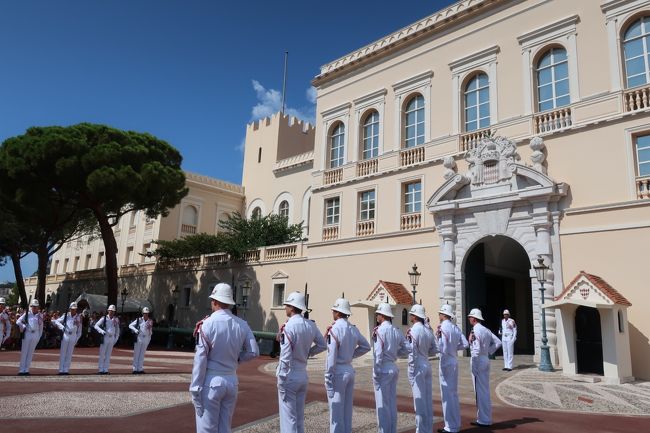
637	159
367	198
335	208
331	137
471	77
420	111
644	20
549	50
276	292
284	212
405	195
374	138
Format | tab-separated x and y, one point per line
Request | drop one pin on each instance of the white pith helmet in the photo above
418	311
506	312
296	299
73	306
342	306
112	308
446	310
145	310
385	310
2	301
34	303
222	292
476	313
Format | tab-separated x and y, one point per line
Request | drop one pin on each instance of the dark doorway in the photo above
497	278
589	341
170	314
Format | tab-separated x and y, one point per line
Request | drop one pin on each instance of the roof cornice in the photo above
402	38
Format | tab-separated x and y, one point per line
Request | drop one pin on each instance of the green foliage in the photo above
13	297
240	235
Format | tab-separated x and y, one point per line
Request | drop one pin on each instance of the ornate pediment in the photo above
491	161
591	290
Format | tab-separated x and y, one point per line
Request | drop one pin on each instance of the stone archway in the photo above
498	196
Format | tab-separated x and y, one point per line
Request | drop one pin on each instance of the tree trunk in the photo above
20	282
41	278
110	247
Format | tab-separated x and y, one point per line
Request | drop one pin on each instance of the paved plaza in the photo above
525	400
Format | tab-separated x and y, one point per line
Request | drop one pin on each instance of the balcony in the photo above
252	256
552	120
188	229
330	233
643	187
636	99
369	166
283	252
333	176
365	228
410	221
470	140
411	156
218	259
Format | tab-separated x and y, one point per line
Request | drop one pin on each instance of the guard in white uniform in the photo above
70	324
109	327
482	343
5	323
508	333
450	340
142	327
344	342
31	325
299	339
389	344
224	340
422	345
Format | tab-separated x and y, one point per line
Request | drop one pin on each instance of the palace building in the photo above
474	143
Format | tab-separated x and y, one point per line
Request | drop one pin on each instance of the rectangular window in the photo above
412	197
332	211
65	265
56	267
128	259
643	155
88	258
100	259
75	264
187	292
146	248
278	294
367	205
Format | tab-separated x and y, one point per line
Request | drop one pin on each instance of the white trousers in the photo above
341	403
449	394
422	398
291	401
27	350
139	348
105	350
65	357
508	351
218	396
385	399
481	374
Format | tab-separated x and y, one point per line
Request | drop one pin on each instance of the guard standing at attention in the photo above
142	327
109	328
508	333
31	326
389	344
422	344
482	343
344	342
70	324
450	340
299	339
224	340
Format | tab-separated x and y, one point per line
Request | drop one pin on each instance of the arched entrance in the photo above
589	341
496	274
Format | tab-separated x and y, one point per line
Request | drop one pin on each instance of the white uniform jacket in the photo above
389	344
112	331
33	328
450	341
508	329
5	326
70	325
142	328
421	344
344	343
224	341
484	342
299	339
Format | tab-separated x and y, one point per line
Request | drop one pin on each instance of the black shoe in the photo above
62	373
442	430
22	374
504	369
141	371
509	369
135	372
478	424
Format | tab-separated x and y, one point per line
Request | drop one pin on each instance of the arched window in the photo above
477	103
190	220
283	209
370	136
553	80
257	213
636	46
337	145
414	122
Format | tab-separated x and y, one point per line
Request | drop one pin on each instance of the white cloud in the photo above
269	102
242	144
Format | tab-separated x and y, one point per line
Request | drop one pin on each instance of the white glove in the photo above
198	405
329	386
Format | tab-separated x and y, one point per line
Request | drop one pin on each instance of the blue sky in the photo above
192	72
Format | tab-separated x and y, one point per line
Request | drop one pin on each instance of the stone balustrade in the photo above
370	166
411	156
333	176
330	233
636	99
366	228
470	140
552	120
410	221
188	229
283	252
643	187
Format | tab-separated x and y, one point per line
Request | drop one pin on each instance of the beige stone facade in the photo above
396	172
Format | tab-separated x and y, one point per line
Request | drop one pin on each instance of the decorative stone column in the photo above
448	259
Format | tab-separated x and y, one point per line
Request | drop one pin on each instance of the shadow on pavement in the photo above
510	424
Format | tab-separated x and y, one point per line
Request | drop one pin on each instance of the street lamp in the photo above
415	277
172	318
245	292
545	356
123	294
